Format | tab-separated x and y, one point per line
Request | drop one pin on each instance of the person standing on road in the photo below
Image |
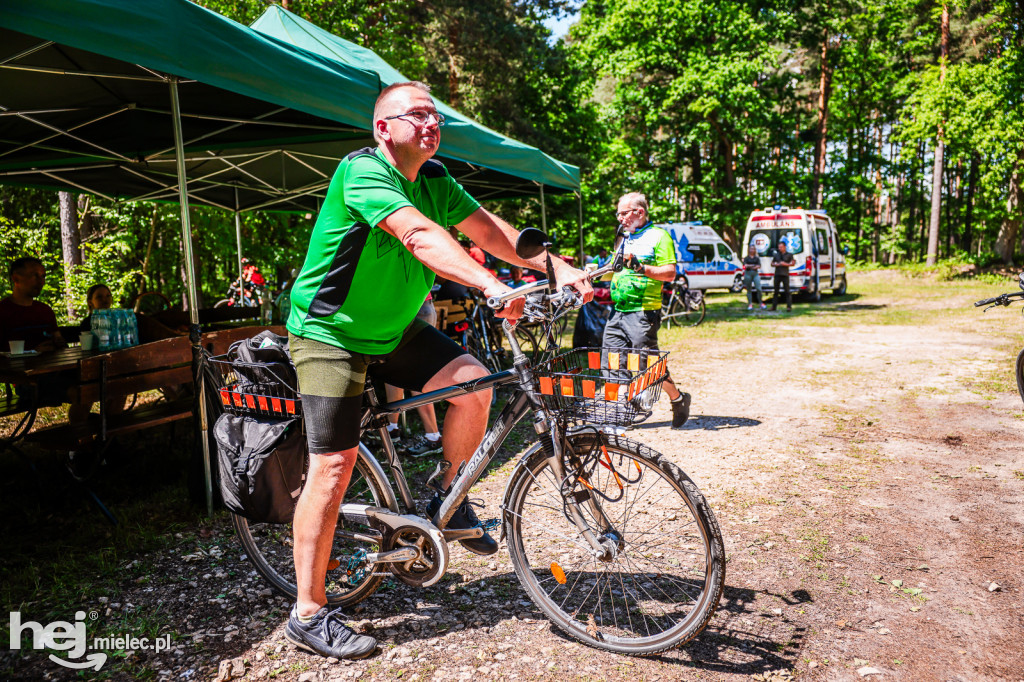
650	259
752	278
782	262
377	243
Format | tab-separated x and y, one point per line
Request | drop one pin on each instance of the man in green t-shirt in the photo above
377	243
650	259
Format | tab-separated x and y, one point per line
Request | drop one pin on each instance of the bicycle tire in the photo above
682	314
269	546
223	303
541	541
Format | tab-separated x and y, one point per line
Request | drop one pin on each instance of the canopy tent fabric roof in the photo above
462	139
84	106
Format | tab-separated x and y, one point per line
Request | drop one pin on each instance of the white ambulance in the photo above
811	237
702	256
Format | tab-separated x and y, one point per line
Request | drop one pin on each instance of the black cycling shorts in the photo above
332	380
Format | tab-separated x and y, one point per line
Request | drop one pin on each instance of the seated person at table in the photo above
24	318
98	297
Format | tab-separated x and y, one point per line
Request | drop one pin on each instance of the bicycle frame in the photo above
521	403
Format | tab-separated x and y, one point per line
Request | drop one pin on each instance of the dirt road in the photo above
863	459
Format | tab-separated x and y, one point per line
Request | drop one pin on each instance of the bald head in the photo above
390	101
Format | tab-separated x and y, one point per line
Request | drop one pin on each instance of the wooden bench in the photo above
121	373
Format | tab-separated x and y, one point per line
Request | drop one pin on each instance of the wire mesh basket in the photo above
610	386
258	389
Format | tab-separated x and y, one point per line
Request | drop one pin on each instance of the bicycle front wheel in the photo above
269	545
661	586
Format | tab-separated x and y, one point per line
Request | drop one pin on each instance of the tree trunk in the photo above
972	178
1006	242
696	201
821	139
933	226
70	245
729	235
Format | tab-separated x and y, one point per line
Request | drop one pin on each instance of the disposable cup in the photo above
87	339
17	347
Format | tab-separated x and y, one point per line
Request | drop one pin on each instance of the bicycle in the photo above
1005	300
611	540
247	295
681	305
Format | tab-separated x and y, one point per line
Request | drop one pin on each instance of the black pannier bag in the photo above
263	360
262	465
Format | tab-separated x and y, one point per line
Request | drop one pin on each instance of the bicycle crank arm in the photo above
395	556
451	534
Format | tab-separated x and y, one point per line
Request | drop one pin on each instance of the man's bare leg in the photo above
466	420
316	516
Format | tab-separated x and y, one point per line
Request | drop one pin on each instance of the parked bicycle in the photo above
1005	300
681	305
610	539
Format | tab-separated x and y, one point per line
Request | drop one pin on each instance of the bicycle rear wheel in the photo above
269	545
684	309
661	587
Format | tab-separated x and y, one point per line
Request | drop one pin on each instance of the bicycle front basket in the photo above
255	389
601	385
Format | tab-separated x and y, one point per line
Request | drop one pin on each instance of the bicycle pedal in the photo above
490	524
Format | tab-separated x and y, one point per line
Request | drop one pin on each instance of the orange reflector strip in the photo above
613	361
567	386
275	404
546	386
225	396
593	360
289	405
632	390
262	400
611	391
250	402
633	362
588	388
586	483
559	574
237	399
333	564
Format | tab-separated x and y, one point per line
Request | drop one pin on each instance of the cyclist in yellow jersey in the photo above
650	259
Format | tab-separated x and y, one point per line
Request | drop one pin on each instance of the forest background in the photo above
904	119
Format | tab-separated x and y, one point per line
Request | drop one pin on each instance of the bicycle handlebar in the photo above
1001	299
498	302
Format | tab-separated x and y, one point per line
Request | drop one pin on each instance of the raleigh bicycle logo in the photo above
70	637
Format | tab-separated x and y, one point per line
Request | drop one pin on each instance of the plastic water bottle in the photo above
131	328
116	329
101	328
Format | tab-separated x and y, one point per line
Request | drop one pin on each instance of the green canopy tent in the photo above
165	100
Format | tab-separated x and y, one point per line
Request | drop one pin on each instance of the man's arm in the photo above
498	238
662	273
434	247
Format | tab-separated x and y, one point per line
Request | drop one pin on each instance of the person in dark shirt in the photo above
24	318
752	278
782	262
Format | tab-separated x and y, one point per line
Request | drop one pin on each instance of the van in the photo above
703	258
811	237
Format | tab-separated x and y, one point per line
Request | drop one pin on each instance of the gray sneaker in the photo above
326	634
420	446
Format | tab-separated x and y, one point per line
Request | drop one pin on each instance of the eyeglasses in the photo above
419	117
622	214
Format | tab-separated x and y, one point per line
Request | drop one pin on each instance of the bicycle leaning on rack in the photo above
681	305
1005	300
610	539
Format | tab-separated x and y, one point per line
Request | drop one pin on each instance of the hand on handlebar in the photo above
575	279
513	309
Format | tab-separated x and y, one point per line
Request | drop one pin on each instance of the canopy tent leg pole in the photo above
190	284
579	226
238	236
543	212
